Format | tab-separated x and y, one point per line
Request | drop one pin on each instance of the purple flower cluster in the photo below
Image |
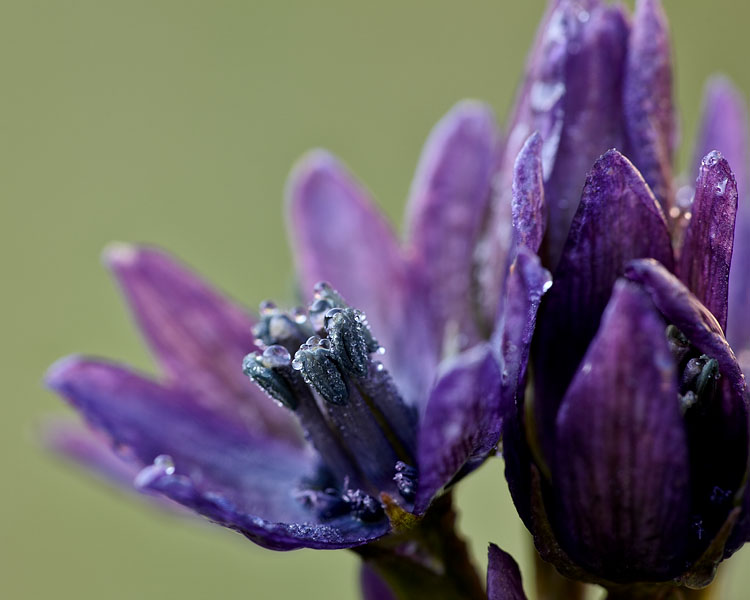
345	422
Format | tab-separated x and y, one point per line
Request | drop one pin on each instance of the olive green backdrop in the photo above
176	123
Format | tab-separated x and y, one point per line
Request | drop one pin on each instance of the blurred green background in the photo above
176	123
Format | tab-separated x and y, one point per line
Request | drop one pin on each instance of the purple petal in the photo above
372	585
719	433
707	246
503	576
446	208
527	283
648	107
339	236
528	206
571	95
202	460
686	312
724	128
618	220
461	425
198	336
622	472
92	451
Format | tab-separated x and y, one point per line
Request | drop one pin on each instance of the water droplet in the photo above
275	357
547	285
297	364
267	308
165	462
711	158
721	187
379	367
586	368
380	350
313	340
674	212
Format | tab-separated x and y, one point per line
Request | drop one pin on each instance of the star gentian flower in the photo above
628	462
384	389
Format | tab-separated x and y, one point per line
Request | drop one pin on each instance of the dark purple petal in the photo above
526	284
622	469
201	460
718	433
618	220
528	206
685	311
503	576
339	236
647	100
372	585
198	336
707	246
572	96
446	207
461	425
724	127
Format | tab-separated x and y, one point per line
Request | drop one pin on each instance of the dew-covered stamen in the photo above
406	481
315	362
272	372
699	382
363	506
347	335
277	327
397	419
263	369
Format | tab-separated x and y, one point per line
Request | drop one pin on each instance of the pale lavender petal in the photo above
461	425
339	236
724	127
446	208
707	246
372	585
618	220
503	576
622	471
528	205
198	336
201	460
90	450
648	106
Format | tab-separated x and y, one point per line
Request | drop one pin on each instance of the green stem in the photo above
428	560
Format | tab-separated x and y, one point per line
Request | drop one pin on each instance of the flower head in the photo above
628	462
383	389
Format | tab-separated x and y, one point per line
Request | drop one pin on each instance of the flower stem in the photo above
429	560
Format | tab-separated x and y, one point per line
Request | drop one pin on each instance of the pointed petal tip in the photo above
119	254
58	375
311	165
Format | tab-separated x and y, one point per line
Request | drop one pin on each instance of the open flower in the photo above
384	389
628	462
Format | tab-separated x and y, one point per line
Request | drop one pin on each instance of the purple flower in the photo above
628	463
353	443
